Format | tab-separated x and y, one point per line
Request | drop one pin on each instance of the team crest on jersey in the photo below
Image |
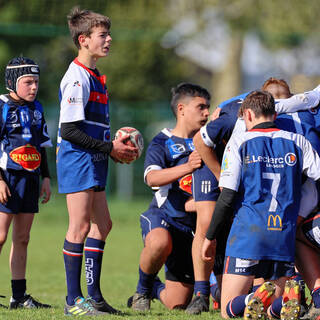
185	183
313	111
176	150
77	84
290	159
12	117
27	157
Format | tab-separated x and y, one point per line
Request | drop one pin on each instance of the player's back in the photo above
272	163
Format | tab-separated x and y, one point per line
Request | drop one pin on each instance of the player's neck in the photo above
86	59
183	132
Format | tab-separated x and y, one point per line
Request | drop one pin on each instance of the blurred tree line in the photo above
139	69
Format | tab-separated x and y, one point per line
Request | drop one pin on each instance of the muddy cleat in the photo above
82	307
291	301
260	301
103	306
255	310
291	291
290	310
139	302
312	314
27	302
199	303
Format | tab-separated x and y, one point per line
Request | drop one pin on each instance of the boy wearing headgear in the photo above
23	138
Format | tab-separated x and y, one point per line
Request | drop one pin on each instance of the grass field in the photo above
45	272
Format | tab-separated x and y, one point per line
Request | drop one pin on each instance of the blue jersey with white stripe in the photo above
167	151
84	98
301	122
265	166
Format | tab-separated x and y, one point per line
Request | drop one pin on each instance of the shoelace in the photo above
87	303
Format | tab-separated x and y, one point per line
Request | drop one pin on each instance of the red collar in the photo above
102	79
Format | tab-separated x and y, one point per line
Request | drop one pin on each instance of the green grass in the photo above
45	271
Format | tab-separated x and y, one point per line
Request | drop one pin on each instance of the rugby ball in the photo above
135	138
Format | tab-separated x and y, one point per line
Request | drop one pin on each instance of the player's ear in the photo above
180	108
82	40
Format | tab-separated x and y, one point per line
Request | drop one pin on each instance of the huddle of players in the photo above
263	174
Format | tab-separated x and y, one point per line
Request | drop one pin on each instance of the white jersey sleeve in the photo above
311	160
74	94
299	102
231	165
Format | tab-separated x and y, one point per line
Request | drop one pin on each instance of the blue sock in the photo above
72	254
275	308
254	288
316	297
215	292
93	251
202	287
145	283
236	306
158	286
18	288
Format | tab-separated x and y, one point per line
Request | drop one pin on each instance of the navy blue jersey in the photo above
301	122
167	151
265	166
23	131
83	97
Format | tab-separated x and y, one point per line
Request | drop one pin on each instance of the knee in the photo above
21	239
161	246
78	232
3	238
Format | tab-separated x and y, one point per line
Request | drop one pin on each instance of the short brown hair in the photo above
260	102
82	22
277	81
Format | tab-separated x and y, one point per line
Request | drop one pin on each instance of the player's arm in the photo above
45	190
230	180
71	132
297	102
4	189
207	154
222	213
161	177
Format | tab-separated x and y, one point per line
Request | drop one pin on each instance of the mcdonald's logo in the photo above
274	223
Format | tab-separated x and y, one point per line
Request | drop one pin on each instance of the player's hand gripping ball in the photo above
135	138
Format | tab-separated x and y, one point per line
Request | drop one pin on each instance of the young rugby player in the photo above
167	228
23	139
264	165
83	150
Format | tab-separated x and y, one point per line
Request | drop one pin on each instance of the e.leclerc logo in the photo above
290	159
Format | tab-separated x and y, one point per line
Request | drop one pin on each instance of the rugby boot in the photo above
27	302
1	305
199	303
260	301
82	307
139	302
291	301
312	314
103	306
